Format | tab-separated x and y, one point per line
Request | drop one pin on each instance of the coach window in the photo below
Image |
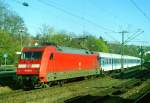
102	60
110	61
106	60
51	56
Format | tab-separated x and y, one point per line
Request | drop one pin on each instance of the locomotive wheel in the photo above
86	78
28	84
61	83
50	84
92	77
44	85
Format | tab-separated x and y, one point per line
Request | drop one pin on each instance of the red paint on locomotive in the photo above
53	61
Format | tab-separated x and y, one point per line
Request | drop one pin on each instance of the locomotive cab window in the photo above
31	55
51	56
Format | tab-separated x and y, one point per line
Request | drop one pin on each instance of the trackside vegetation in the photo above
123	87
14	35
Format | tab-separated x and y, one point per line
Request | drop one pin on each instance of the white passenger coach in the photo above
110	61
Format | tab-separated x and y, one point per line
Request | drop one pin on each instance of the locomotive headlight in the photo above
35	66
22	65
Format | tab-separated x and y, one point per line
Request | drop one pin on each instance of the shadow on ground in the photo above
145	99
147	65
98	99
136	72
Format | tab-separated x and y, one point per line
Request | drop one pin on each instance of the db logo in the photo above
79	64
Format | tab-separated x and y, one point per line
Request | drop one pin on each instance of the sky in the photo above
105	18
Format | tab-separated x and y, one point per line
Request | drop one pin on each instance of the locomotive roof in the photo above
84	51
68	49
34	46
73	50
110	55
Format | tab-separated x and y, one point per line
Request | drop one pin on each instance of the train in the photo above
110	61
48	64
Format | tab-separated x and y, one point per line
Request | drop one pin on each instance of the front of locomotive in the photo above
29	65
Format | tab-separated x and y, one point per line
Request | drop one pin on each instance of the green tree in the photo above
94	44
11	22
12	32
63	38
9	45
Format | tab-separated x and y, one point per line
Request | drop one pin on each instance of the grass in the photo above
5	89
124	88
50	95
138	90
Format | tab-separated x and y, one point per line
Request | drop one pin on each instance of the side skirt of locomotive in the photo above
60	76
32	81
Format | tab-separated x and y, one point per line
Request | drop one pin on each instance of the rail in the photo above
139	100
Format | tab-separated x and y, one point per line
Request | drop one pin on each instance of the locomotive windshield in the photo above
31	55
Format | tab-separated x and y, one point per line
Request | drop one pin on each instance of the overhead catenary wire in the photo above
133	35
77	16
107	11
30	7
140	10
53	4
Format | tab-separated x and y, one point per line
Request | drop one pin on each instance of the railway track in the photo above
59	93
143	98
104	89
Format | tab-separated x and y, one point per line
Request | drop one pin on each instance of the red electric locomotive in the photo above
46	64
